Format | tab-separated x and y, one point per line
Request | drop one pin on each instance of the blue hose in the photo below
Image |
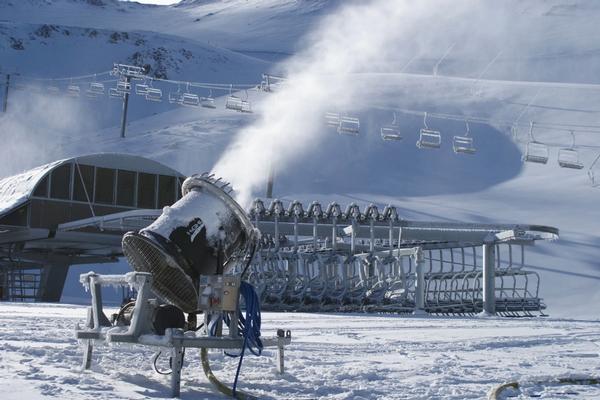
250	327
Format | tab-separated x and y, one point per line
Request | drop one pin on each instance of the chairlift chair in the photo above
233	103
349	126
53	89
189	99
96	89
392	131
332	119
153	94
246	106
535	152
124	87
73	90
569	157
429	138
463	144
207	102
115	93
141	89
175	97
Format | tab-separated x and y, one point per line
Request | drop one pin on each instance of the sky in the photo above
163	2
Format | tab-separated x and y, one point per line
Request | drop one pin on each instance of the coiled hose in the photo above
250	329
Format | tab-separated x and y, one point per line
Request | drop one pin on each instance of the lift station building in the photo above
74	211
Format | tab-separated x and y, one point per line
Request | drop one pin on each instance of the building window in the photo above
146	190
60	179
125	188
41	189
105	185
83	175
17	217
166	190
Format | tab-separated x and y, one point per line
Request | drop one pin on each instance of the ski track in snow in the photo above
332	356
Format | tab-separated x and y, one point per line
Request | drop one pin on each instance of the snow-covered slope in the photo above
66	51
509	51
253	26
535	41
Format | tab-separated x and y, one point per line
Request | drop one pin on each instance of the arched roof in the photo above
16	190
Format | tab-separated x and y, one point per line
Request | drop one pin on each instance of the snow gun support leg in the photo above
149	323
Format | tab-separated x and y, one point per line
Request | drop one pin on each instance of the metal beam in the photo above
489	279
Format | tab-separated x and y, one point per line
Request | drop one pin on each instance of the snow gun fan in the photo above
198	235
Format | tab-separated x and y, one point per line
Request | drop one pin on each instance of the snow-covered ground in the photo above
340	356
541	47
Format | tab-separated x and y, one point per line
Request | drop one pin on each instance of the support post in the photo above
280	356
489	279
53	281
5	101
176	365
87	353
419	283
125	105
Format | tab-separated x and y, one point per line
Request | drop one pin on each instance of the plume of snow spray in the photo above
39	128
358	38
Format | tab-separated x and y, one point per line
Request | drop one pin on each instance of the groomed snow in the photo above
340	356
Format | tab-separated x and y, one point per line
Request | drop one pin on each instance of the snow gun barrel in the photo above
198	235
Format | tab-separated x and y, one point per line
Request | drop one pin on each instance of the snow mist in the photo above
357	38
39	128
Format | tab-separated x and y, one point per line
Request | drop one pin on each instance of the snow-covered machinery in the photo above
184	263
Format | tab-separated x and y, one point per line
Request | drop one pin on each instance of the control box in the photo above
218	293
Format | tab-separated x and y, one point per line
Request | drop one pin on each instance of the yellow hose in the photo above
221	387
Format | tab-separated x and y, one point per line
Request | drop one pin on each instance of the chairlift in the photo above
238	104
349	126
429	138
332	119
175	97
392	131
265	84
208	102
153	94
73	90
569	157
535	151
233	103
190	99
53	89
141	89
463	144
124	86
246	105
115	93
96	89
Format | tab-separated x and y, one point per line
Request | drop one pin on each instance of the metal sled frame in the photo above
98	328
